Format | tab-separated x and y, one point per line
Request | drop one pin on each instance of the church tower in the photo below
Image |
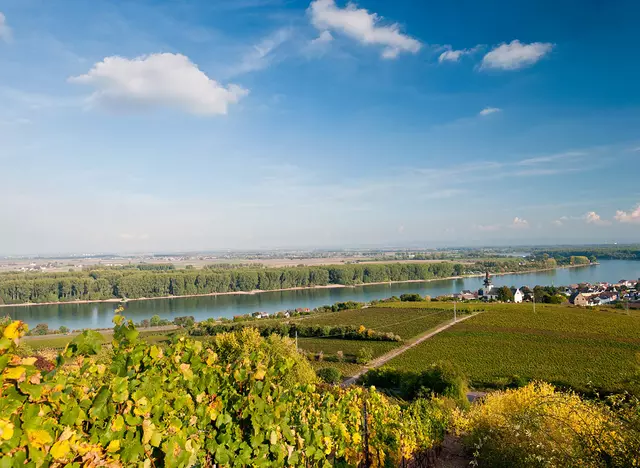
487	281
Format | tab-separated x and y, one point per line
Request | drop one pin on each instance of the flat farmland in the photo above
579	348
405	322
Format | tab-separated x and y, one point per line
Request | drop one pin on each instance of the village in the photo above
583	294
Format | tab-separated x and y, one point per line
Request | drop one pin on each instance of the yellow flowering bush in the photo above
539	426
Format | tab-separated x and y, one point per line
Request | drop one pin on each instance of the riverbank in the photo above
260	291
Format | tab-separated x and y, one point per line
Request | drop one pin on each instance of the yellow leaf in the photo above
259	375
39	437
6	429
60	449
113	446
28	361
117	423
12	331
14	373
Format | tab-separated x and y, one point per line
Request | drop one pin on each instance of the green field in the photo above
407	322
579	348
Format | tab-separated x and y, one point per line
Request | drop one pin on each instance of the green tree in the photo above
505	294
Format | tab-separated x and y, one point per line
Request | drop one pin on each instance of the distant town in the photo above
583	294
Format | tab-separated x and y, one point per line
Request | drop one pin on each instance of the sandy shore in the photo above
260	291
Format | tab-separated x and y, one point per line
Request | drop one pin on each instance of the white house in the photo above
518	295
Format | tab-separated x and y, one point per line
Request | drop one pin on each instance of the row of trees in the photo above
604	252
292	330
18	288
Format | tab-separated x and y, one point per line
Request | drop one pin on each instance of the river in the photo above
99	315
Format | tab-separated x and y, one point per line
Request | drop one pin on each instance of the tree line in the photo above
291	330
100	284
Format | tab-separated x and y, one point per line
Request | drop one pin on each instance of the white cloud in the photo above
158	80
594	218
5	31
489	110
451	55
519	223
362	26
628	217
558	222
515	55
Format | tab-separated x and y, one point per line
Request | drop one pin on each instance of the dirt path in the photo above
380	361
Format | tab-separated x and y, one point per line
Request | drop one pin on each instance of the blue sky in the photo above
190	125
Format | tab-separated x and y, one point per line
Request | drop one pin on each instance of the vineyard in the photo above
406	322
584	350
240	400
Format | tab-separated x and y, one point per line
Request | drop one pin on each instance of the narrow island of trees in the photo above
148	280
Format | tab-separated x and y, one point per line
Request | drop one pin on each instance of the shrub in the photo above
340	356
411	298
364	355
441	379
330	375
538	426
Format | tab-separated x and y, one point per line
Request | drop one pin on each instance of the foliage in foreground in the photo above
538	426
226	403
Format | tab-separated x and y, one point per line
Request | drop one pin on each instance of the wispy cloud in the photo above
487	227
262	54
362	26
569	155
515	55
5	30
488	111
452	55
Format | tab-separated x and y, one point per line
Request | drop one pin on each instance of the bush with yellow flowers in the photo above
539	426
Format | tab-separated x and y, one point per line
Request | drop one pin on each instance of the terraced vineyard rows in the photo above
579	348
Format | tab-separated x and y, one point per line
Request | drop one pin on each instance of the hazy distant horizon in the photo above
307	249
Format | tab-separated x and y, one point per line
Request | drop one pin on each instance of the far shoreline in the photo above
300	288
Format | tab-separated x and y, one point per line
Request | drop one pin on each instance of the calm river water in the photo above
99	315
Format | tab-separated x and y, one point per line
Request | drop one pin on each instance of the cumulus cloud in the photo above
5	30
489	110
158	80
632	217
362	26
594	218
558	222
519	223
515	55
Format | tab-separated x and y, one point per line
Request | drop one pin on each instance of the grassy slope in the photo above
560	344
